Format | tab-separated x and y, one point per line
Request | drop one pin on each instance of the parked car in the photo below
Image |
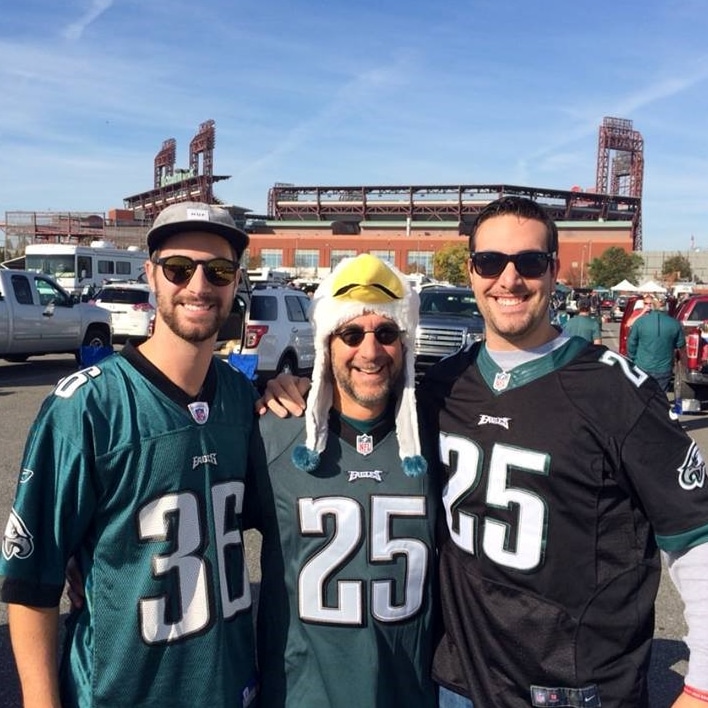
37	316
607	303
131	305
634	307
691	373
449	319
571	300
617	311
278	331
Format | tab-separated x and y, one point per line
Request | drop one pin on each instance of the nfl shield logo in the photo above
364	444
199	411
501	380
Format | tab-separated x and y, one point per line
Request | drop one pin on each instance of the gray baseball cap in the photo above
196	216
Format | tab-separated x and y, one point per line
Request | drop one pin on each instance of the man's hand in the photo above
686	701
284	395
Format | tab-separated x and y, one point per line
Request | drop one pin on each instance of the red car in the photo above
634	308
691	373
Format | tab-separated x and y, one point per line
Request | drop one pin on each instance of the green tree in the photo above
677	267
450	263
252	261
613	266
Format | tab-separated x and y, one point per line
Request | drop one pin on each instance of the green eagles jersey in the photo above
147	495
345	614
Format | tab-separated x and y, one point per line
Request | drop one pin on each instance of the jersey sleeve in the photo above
668	473
52	509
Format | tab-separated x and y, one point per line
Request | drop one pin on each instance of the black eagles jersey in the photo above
560	478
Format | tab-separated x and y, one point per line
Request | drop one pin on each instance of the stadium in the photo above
309	228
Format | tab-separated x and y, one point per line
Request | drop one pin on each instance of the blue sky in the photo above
367	92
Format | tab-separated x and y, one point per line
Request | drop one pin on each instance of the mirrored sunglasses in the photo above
353	335
180	269
528	264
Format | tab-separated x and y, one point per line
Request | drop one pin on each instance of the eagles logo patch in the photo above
17	542
692	473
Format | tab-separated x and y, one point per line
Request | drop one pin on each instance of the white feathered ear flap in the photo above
407	431
360	285
307	457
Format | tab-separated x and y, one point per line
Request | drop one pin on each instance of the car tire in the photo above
94	337
287	365
682	389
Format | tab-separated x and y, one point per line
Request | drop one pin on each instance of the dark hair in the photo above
521	207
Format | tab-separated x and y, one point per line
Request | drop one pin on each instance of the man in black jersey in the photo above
563	475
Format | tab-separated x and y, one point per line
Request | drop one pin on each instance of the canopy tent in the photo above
624	287
651	287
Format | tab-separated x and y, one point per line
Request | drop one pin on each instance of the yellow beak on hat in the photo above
367	279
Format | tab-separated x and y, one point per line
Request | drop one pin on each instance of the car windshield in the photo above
123	297
462	304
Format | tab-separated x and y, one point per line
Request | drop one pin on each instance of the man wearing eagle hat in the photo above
348	511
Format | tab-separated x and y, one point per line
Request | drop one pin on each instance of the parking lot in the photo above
22	388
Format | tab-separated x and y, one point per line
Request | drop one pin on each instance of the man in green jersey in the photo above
136	466
348	511
655	341
584	324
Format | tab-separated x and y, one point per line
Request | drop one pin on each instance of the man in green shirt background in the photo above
584	324
653	341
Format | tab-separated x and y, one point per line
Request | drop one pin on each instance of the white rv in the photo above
79	269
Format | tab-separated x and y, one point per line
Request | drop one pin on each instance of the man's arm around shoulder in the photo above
34	636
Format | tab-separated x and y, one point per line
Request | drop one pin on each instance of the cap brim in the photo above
237	238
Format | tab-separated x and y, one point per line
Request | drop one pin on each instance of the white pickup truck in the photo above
39	317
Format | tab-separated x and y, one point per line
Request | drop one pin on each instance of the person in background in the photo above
563	474
137	466
654	342
583	324
348	512
640	308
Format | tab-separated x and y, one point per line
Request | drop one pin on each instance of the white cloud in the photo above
75	30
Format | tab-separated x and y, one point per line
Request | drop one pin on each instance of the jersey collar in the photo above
500	381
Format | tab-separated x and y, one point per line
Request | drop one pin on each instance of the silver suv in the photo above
449	319
278	331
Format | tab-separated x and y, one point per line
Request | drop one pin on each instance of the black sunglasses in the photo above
528	264
353	335
180	269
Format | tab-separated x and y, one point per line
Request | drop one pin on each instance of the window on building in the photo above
420	262
271	257
337	254
307	258
388	256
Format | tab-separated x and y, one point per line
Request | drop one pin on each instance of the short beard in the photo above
382	395
192	334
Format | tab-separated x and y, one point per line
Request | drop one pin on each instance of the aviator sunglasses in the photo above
180	269
528	264
353	335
